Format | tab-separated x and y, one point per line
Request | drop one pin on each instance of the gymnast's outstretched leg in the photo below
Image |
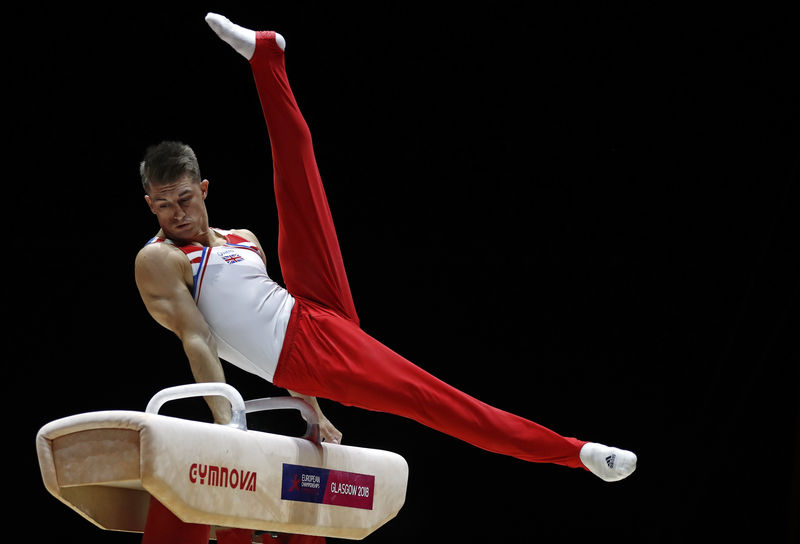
326	354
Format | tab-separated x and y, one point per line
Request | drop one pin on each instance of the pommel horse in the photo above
107	466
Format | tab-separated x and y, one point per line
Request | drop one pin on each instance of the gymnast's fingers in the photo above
329	433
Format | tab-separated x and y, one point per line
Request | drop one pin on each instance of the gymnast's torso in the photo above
245	309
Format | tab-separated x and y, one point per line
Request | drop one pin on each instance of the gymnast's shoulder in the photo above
247	235
157	259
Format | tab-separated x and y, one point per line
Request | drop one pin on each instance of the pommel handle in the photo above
279	403
238	417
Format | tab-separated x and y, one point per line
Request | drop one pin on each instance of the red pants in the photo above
325	353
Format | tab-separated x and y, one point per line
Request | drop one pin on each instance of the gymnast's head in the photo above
174	189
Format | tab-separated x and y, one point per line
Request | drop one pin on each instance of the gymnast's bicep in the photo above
161	278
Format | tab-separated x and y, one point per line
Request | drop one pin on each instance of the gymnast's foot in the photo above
609	464
243	40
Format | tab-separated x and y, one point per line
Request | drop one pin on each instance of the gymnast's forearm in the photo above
201	350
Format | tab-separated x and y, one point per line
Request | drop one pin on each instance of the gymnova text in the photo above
215	476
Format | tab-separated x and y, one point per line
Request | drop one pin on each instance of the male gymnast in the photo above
211	288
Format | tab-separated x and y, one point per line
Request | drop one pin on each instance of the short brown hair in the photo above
167	162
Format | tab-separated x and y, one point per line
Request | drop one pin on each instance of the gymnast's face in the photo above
180	208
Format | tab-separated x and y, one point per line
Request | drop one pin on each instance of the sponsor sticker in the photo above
325	486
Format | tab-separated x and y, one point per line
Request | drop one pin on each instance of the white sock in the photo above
609	464
243	40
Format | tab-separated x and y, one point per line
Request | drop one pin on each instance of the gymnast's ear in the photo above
149	203
204	188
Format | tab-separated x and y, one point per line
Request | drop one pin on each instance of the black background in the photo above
587	216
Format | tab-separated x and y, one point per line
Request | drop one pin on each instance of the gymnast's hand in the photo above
327	432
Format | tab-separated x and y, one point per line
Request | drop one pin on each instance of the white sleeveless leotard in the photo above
245	309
